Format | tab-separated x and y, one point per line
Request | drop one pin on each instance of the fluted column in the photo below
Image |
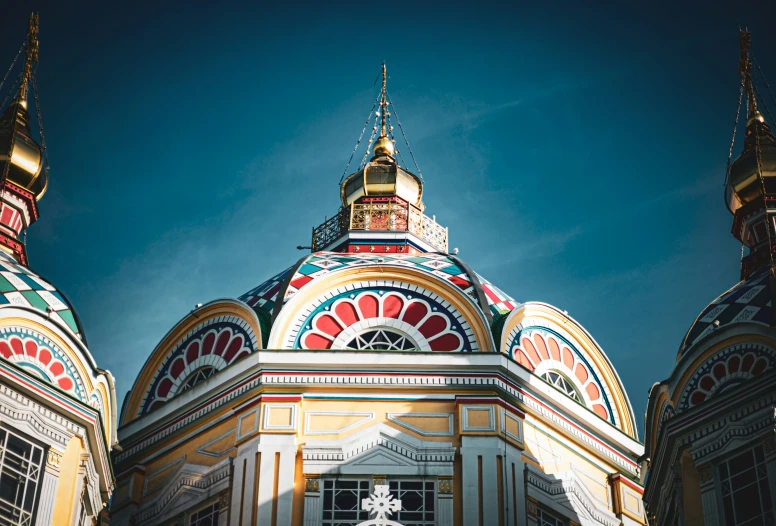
276	483
709	500
312	500
445	501
48	490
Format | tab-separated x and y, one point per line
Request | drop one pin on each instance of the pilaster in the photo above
312	500
276	483
709	496
445	501
490	493
48	490
769	448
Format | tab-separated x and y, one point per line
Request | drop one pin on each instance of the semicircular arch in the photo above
214	335
425	308
540	337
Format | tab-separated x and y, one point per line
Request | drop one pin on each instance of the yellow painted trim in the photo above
174	337
586	344
316	289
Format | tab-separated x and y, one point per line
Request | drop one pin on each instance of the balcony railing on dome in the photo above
380	216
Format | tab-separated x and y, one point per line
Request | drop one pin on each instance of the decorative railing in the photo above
380	216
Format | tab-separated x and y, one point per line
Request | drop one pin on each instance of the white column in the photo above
709	500
472	450
242	484
312	501
48	490
269	447
514	489
444	503
223	508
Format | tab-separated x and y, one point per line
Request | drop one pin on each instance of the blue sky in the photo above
576	154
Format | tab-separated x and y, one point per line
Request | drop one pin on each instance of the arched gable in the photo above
543	339
727	364
208	339
332	310
50	351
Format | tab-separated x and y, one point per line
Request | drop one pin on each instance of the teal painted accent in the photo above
37	302
34	285
5	285
69	319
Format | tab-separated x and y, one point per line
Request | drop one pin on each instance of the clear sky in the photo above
576	153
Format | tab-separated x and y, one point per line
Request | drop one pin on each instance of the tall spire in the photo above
751	178
384	145
23	170
30	58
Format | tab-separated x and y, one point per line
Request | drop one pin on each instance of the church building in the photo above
710	433
377	380
57	407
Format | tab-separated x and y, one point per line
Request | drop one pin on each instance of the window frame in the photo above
721	480
370	479
211	503
35	444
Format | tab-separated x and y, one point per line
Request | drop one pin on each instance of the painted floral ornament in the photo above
381	503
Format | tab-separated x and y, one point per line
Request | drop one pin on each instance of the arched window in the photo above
382	339
562	384
200	375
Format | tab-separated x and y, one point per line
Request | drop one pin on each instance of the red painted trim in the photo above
628	482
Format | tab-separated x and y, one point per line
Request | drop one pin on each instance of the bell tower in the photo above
750	190
23	165
382	207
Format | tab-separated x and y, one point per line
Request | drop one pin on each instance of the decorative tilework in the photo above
265	295
749	300
727	368
40	356
215	343
20	286
319	264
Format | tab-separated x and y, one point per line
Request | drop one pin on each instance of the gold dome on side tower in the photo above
753	173
21	157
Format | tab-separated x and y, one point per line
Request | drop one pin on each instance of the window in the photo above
342	501
382	339
207	516
545	519
745	493
560	382
21	463
200	375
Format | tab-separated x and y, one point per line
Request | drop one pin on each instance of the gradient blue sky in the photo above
576	154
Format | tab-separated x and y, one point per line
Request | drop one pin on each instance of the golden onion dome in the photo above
25	155
754	171
384	146
381	177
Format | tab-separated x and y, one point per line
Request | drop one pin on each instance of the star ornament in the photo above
381	502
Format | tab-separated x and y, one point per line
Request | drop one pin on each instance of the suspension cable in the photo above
760	71
358	142
46	165
393	138
18	54
401	128
735	127
13	87
371	140
762	101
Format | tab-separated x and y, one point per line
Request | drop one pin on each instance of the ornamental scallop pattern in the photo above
726	369
428	326
40	356
540	352
211	345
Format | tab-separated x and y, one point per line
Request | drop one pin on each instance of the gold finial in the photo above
30	57
384	145
745	70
